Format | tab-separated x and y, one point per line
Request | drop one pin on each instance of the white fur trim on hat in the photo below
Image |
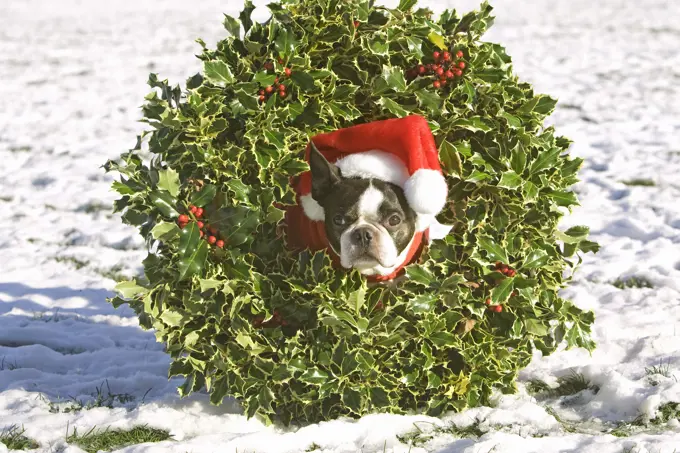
426	191
374	164
312	209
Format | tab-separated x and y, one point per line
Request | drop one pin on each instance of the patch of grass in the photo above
5	365
113	439
537	386
573	383
666	412
114	273
639	182
418	437
78	264
14	439
19	148
662	369
6	199
313	447
100	398
632	282
93	207
567	427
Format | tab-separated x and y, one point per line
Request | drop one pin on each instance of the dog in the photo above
368	222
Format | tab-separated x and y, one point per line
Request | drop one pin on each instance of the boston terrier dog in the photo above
368	222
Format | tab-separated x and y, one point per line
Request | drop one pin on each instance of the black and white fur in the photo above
368	221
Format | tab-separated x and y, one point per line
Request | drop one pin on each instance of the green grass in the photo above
5	365
662	369
566	426
418	437
639	182
78	264
313	447
114	273
537	386
570	384
666	412
113	439
100	398
632	282
14	439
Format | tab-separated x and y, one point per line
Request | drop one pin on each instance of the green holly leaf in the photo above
437	40
130	289
285	43
168	180
494	251
510	180
232	25
203	196
165	231
537	258
165	203
393	107
217	72
501	293
394	77
304	80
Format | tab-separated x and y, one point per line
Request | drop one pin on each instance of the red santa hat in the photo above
401	151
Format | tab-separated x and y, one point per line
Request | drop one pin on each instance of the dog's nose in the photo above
362	237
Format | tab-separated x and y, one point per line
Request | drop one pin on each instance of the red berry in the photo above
356	24
461	64
282	87
487	301
436	55
283	94
437	84
212	229
199	212
497	308
200	224
446	56
192	209
498	264
458	72
511	273
200	233
220	243
459	54
183	218
442	82
261	92
421	69
269	89
280	60
212	240
440	71
262	98
288	72
449	75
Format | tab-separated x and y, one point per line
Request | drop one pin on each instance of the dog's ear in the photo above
324	174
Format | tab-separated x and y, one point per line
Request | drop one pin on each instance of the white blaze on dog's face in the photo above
368	222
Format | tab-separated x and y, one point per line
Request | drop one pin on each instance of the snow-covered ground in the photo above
72	76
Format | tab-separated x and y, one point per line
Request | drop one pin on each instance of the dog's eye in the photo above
394	220
339	220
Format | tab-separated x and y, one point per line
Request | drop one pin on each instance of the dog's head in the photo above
369	223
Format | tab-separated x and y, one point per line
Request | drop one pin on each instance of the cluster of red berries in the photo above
197	214
444	68
277	87
505	269
275	321
495	308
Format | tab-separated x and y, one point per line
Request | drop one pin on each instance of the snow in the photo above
73	76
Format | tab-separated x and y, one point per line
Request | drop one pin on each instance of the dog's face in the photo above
368	222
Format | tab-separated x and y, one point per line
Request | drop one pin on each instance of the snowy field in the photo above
72	76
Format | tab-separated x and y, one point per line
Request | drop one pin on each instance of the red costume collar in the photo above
304	233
